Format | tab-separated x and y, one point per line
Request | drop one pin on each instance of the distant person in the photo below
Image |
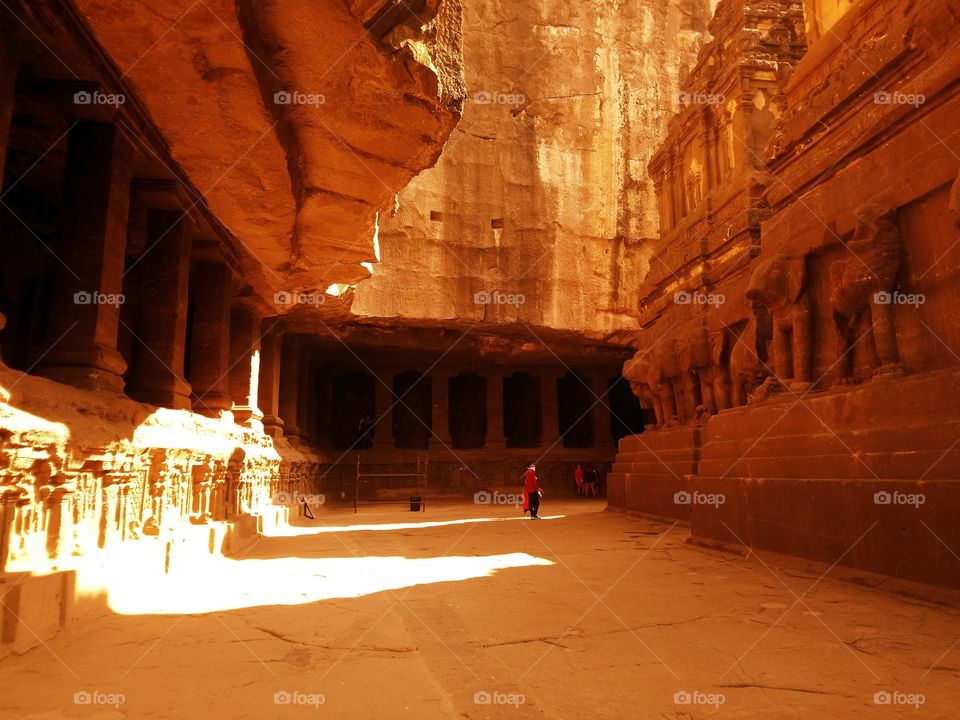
365	432
578	477
532	490
591	483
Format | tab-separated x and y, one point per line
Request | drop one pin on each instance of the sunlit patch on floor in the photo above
287	530
219	584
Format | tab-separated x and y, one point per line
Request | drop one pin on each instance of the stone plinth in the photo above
651	469
865	478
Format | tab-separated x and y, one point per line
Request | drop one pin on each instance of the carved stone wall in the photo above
825	299
81	473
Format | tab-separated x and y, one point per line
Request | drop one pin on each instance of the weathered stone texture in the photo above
292	121
542	189
809	341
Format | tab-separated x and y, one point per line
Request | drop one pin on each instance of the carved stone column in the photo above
383	416
440	418
495	436
9	497
87	295
163	278
324	411
245	365
308	396
290	389
268	393
9	66
212	289
548	403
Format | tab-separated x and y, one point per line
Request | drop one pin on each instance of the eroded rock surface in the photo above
542	191
292	119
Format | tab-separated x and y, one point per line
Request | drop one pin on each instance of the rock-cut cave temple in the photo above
292	292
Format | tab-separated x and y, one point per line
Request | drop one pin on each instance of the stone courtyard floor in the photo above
467	611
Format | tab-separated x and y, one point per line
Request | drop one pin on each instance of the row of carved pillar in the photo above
440	436
107	308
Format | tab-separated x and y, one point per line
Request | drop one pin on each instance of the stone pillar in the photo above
308	396
495	436
245	366
602	437
268	392
550	435
212	290
324	411
383	415
9	67
85	307
290	389
440	417
163	279
9	498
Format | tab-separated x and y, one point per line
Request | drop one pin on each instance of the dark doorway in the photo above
468	410
574	407
522	415
626	415
354	408
412	398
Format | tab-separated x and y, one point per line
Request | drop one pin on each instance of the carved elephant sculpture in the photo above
716	375
695	359
653	374
860	285
779	284
637	371
747	369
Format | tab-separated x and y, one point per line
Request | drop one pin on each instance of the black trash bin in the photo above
415	501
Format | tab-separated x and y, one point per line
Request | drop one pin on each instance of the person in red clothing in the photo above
578	477
532	490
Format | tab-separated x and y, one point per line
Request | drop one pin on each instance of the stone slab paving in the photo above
469	611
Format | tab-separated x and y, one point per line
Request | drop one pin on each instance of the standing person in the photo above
365	432
532	490
578	476
592	484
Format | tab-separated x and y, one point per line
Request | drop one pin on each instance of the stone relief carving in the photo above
54	504
779	283
686	379
954	208
748	366
860	287
717	374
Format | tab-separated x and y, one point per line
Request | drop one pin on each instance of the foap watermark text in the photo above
698	498
295	697
485	297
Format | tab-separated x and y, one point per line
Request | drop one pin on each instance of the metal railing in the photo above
421	484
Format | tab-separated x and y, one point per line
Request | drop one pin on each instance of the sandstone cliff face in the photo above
542	193
294	120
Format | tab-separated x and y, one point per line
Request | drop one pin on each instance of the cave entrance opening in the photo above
626	415
354	400
575	403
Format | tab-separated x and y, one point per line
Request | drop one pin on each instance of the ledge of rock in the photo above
296	121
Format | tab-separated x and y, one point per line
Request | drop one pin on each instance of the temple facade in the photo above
799	337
